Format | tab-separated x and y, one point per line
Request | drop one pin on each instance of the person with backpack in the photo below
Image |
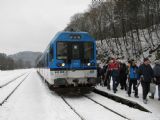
146	75
133	78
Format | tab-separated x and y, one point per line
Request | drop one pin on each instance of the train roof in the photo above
66	36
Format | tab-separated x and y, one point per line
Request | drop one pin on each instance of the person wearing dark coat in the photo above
103	74
123	75
99	70
146	75
156	70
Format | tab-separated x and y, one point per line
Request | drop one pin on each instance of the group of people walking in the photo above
130	74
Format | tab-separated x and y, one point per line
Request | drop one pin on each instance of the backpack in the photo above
133	72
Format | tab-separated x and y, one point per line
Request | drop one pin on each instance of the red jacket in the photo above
113	66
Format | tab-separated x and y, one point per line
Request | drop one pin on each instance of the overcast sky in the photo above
29	25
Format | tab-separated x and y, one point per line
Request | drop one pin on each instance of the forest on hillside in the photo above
126	27
20	60
7	63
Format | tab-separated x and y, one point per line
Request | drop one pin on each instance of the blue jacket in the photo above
133	72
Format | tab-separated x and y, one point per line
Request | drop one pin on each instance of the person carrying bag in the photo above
156	70
152	89
146	75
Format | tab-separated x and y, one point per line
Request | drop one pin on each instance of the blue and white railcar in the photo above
69	61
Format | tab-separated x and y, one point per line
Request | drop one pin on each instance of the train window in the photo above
51	54
88	50
62	50
75	51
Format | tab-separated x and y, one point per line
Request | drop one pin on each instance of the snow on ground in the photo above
90	110
108	47
5	91
131	113
7	76
153	105
7	72
33	100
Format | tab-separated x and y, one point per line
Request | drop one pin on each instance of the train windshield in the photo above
62	50
75	50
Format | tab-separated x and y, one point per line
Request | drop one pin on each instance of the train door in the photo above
76	52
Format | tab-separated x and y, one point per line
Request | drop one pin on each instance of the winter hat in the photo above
145	59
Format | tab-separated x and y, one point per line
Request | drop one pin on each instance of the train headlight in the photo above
89	64
63	64
60	64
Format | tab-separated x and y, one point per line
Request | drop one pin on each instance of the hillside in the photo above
123	28
133	46
26	58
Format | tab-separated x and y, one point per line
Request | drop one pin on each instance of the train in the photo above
69	62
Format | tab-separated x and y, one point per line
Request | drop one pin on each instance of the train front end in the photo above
74	65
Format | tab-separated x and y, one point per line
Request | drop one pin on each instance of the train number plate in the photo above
91	71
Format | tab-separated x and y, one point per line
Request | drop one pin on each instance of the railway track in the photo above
69	103
12	80
107	108
7	95
74	110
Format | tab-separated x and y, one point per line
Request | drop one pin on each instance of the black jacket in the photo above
156	70
147	72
